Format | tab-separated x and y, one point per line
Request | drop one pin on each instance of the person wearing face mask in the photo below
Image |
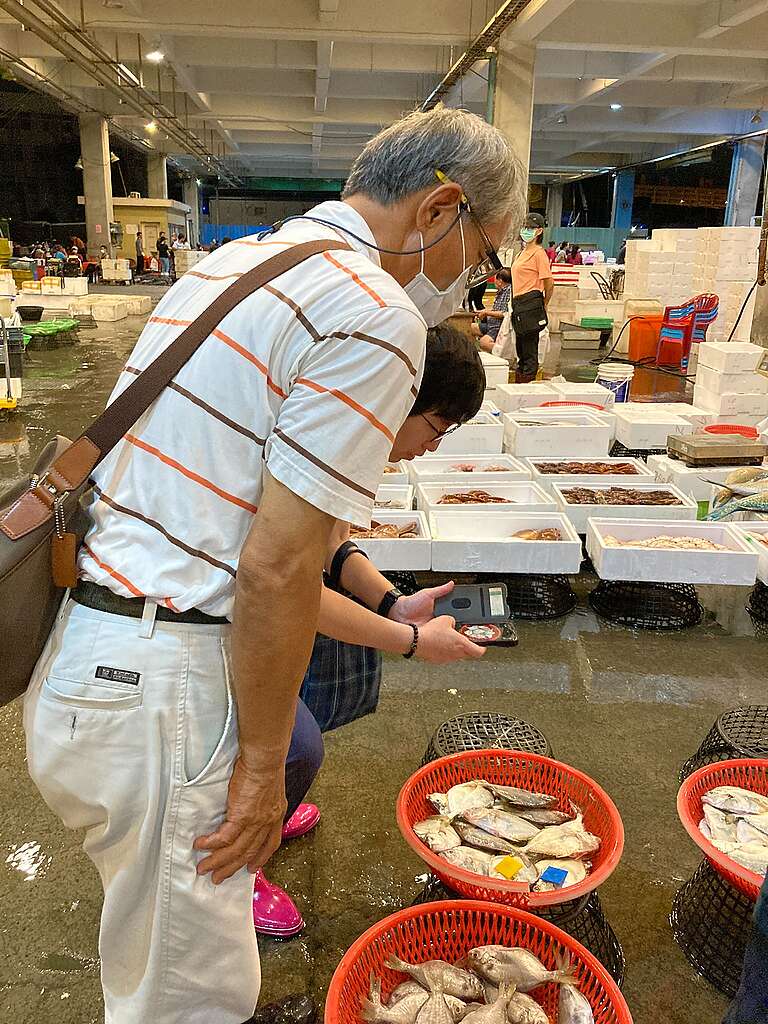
199	589
531	271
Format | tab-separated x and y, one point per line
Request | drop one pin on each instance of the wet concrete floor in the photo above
627	708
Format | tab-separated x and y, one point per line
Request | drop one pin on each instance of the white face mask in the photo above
433	304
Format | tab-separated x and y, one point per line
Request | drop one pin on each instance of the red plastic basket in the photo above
529	771
447	931
733	428
749	773
588	405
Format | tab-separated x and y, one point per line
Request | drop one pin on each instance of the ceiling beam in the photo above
718	16
323	74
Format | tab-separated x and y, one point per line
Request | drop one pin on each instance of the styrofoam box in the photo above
489	407
522	495
394	496
109	312
569	433
484	434
731	356
731	383
579	514
400	476
698	418
760	528
735	567
646	430
496	369
730	405
394	555
76	285
464	542
511	397
688	479
572	391
547	480
440	469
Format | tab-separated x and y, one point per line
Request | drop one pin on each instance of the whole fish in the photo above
522	797
469	859
503	824
563	841
435	1010
573	1006
541	815
735	800
473	836
747	833
515	965
527	873
496	1012
577	872
405	988
437	975
468	796
752	856
758	821
722	826
491	991
437	833
439	801
404	1011
523	1009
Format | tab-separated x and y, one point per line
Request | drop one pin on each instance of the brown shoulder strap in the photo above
71	470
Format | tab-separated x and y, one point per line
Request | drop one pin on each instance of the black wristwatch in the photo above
388	602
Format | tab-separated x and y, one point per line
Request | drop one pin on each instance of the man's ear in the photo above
438	207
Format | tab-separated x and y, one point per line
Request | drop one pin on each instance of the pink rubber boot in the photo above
274	912
302	821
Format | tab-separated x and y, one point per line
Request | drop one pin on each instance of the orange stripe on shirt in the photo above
190	474
244	241
356	279
211	277
113	573
350	402
251	359
168	320
169	604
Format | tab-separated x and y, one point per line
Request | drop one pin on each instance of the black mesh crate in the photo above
757	606
711	922
483	730
620	451
583	919
538	598
741	732
639	605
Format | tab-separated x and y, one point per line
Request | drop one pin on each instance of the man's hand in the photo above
440	643
419	608
251	830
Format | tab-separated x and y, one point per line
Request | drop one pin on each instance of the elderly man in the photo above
152	722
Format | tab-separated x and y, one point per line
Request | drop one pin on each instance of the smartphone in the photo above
475	604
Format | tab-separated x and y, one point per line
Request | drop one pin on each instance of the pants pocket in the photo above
210	719
89	696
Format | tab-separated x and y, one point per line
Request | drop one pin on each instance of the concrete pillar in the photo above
746	172
192	199
623	200
97	180
513	106
157	179
554	206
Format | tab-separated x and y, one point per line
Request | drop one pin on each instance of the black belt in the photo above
91	595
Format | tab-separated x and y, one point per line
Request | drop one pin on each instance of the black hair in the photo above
226	240
504	275
454	379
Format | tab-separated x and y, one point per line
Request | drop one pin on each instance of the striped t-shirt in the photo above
313	375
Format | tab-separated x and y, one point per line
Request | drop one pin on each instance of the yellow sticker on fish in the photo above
509	867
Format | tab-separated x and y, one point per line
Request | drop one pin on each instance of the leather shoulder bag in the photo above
42	522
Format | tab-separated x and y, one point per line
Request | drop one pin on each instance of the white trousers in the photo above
133	738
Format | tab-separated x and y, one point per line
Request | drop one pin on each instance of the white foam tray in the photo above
525	495
496	369
396	555
547	480
510	397
484	434
735	567
400	477
573	391
646	430
579	514
688	479
439	469
399	496
569	432
731	356
477	543
760	527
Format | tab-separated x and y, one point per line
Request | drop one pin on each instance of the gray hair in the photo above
402	159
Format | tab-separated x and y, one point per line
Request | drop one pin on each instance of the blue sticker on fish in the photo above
555	876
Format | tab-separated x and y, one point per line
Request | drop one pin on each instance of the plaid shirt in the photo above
501	302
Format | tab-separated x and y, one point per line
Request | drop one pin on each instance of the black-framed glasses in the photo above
439	434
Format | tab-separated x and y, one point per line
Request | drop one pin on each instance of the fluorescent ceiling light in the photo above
155	56
151	126
616	106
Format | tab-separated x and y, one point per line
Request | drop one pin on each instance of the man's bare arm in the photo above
277	599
